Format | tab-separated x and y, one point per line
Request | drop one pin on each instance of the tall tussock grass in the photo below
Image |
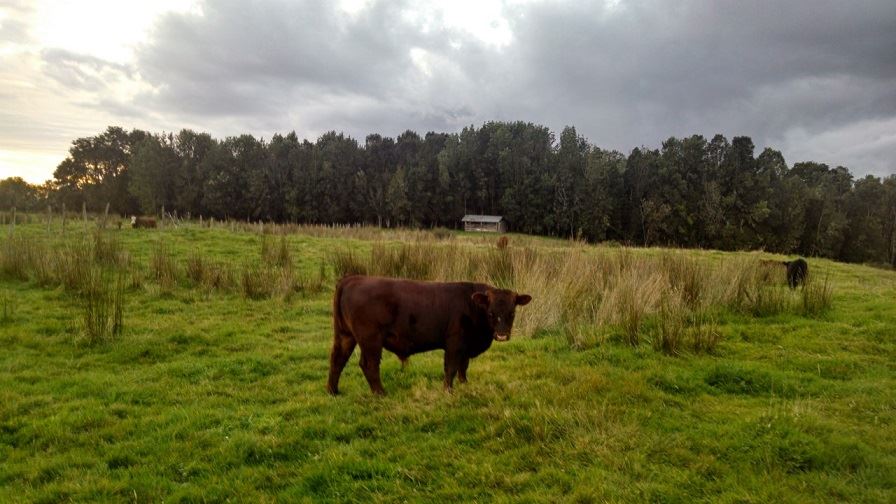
276	254
93	267
672	323
704	332
7	306
103	305
207	274
65	264
162	266
106	251
754	289
18	256
255	282
588	293
816	296
73	264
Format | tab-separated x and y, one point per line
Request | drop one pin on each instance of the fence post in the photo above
49	218
84	214
13	218
63	218
106	215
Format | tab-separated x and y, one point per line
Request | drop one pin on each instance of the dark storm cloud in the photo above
238	60
784	73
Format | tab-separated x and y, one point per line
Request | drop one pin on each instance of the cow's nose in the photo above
502	337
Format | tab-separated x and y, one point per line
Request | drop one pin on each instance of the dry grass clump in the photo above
588	293
7	306
103	305
273	275
106	251
196	268
704	332
750	288
413	260
688	276
441	233
672	323
348	262
816	297
312	282
257	281
73	266
500	265
162	266
276	254
206	274
18	254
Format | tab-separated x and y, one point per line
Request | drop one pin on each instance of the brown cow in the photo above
142	222
502	243
408	317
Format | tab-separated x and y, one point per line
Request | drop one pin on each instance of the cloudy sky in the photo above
813	78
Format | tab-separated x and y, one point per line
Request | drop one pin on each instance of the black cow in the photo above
797	272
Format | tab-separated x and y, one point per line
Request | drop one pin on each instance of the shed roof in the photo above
482	218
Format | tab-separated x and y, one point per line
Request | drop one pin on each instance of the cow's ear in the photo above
523	299
481	299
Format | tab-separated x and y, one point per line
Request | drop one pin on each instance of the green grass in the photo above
209	395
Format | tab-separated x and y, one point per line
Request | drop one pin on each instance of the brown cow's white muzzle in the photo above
502	337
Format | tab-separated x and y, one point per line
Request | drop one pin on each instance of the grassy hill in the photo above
212	387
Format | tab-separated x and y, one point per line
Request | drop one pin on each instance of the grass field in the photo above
210	394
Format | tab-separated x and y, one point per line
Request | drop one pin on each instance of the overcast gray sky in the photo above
813	78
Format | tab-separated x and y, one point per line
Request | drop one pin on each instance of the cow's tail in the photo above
338	322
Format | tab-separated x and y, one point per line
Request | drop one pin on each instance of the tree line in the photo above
692	192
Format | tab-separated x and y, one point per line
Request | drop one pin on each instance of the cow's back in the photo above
411	316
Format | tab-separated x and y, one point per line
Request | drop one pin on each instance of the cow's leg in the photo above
452	365
462	370
343	346
371	354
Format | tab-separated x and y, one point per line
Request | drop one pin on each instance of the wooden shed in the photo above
488	223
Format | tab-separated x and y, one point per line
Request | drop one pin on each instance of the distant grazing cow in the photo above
142	222
502	242
797	272
408	317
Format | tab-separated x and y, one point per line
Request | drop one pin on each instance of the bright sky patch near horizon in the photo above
813	78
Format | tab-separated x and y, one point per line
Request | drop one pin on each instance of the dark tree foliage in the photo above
692	192
96	171
18	194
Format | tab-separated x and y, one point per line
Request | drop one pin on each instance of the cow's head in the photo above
500	308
